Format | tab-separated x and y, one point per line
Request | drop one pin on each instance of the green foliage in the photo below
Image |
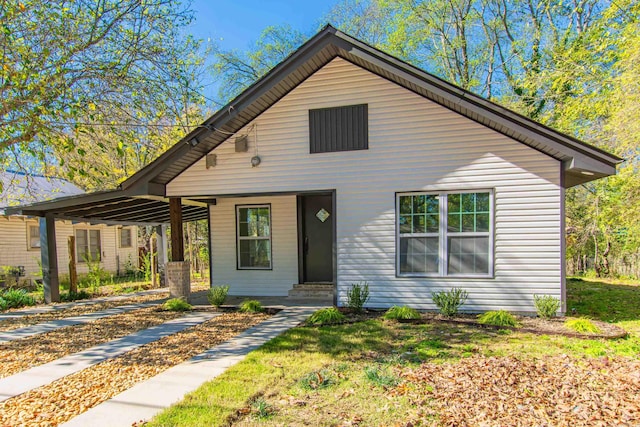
97	274
498	318
176	304
358	296
74	296
326	316
145	268
401	313
582	326
316	380
251	306
261	409
15	298
546	305
449	302
380	377
217	295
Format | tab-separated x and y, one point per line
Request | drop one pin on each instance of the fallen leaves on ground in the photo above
77	310
23	354
68	397
556	390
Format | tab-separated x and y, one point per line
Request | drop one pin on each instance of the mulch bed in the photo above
20	355
533	325
506	391
68	397
34	319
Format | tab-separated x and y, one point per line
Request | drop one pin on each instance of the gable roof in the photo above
581	162
19	188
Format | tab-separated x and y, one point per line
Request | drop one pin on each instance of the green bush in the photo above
401	313
3	304
217	295
358	296
74	296
498	318
448	302
251	306
326	316
176	304
546	305
16	298
582	326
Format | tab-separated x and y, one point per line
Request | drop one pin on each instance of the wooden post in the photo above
49	257
153	260
73	273
177	236
192	263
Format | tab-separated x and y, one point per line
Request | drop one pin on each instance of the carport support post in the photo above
49	257
177	271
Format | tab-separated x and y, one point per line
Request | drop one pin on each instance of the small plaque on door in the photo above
322	215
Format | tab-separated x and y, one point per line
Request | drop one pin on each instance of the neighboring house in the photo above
20	235
346	165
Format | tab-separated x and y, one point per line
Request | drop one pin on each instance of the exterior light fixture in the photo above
194	141
255	161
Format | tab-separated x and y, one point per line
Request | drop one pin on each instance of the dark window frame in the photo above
239	238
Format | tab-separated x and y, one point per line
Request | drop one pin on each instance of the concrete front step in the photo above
314	286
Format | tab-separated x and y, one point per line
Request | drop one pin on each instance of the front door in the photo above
317	215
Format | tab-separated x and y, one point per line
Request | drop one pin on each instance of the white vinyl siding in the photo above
415	145
284	247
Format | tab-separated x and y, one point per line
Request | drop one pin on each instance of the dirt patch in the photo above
34	319
68	397
23	354
555	390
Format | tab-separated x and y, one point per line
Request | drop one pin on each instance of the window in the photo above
34	237
338	129
445	234
253	230
125	238
88	245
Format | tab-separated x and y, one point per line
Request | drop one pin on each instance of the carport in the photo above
117	207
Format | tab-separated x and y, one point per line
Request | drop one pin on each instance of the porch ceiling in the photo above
113	208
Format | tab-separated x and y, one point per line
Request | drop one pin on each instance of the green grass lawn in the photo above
351	374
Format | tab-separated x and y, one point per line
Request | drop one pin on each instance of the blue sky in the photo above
236	24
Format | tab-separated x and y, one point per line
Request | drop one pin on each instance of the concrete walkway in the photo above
150	397
41	328
45	374
56	307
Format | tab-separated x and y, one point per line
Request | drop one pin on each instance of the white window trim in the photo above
443	233
79	259
239	238
29	247
130	230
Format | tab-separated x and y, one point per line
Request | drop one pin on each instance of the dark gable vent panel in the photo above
339	129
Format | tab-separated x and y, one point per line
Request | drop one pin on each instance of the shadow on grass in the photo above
603	301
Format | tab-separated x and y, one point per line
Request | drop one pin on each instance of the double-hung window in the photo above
34	236
254	237
88	245
445	234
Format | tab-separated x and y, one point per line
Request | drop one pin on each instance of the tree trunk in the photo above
73	274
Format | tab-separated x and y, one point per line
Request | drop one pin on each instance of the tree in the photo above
65	60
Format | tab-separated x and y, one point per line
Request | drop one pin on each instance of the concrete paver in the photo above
41	328
148	398
38	376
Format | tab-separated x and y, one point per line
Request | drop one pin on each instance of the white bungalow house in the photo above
116	247
346	165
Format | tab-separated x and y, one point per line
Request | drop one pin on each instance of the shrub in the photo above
74	296
448	302
401	313
326	316
176	304
546	305
316	380
498	318
3	304
582	326
251	306
16	298
358	296
217	295
380	377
